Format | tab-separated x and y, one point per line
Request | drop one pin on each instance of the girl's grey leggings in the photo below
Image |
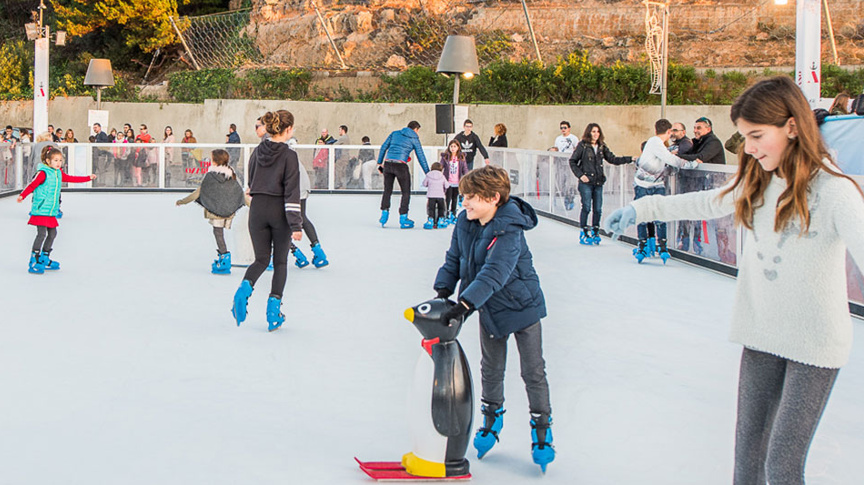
780	403
44	238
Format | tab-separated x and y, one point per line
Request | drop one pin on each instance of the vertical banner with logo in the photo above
40	88
808	48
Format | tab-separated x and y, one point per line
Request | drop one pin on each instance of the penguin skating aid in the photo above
442	378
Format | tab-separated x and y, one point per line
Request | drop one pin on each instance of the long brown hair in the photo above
449	155
586	136
774	102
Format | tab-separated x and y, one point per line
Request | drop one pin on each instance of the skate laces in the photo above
490	415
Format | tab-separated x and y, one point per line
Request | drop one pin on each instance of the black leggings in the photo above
269	229
396	171
308	227
435	208
44	238
452	196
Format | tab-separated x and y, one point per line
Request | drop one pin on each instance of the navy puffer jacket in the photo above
496	270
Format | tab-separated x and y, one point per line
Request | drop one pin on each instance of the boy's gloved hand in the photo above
444	293
620	220
456	314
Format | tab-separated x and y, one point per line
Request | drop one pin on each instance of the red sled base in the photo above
392	471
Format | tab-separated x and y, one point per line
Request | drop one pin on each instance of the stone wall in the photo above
530	127
703	33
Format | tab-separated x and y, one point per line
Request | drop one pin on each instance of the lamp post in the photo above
99	74
459	57
40	33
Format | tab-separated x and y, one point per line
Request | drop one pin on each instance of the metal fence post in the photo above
551	183
19	168
247	154
162	168
331	169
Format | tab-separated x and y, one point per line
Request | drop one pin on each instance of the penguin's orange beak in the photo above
409	315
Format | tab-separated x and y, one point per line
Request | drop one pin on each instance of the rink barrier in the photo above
541	178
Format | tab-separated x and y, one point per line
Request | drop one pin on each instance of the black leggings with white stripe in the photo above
269	229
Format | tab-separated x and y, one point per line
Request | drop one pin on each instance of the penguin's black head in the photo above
428	317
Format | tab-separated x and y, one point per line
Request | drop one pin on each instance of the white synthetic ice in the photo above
126	367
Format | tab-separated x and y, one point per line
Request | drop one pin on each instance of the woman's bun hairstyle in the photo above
276	123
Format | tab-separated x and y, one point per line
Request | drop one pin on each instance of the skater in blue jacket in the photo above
393	164
489	255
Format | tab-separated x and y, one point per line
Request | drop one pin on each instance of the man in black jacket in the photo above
709	149
706	146
470	144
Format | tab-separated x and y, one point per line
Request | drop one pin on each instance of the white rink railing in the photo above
542	178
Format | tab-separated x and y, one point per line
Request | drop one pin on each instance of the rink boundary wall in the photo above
541	178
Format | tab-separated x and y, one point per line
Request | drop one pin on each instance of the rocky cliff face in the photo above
392	34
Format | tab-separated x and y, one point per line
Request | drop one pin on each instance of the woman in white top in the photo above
800	215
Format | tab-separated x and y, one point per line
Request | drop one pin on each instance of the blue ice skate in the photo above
640	252
385	214
452	219
662	251
275	318
404	222
595	235
429	224
59	214
442	222
652	247
300	259
35	266
542	450
241	299
47	263
585	238
487	435
319	259
222	264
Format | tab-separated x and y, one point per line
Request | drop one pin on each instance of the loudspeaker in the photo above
858	105
444	119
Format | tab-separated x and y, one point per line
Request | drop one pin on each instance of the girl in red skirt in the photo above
45	188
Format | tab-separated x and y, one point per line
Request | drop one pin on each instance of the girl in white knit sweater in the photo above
800	214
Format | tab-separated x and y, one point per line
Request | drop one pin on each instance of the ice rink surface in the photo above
126	367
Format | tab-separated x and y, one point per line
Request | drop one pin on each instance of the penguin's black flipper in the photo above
452	394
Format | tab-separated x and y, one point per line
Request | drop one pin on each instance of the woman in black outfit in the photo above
274	215
500	138
586	162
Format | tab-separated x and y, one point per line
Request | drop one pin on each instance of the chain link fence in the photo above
222	40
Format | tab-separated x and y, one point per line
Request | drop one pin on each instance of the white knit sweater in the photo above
791	298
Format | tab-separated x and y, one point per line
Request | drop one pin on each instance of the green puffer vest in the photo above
46	197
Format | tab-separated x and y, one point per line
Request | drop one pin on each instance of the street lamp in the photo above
99	74
459	57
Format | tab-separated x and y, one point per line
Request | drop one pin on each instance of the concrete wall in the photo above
530	127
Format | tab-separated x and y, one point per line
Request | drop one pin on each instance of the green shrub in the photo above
196	86
16	70
273	84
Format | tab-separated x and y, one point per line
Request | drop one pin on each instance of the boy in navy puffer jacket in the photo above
490	256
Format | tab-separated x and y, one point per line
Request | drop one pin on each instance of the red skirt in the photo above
46	221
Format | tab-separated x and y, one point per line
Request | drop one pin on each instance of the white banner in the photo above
40	88
808	49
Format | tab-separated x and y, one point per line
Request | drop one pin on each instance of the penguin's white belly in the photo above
429	444
243	253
